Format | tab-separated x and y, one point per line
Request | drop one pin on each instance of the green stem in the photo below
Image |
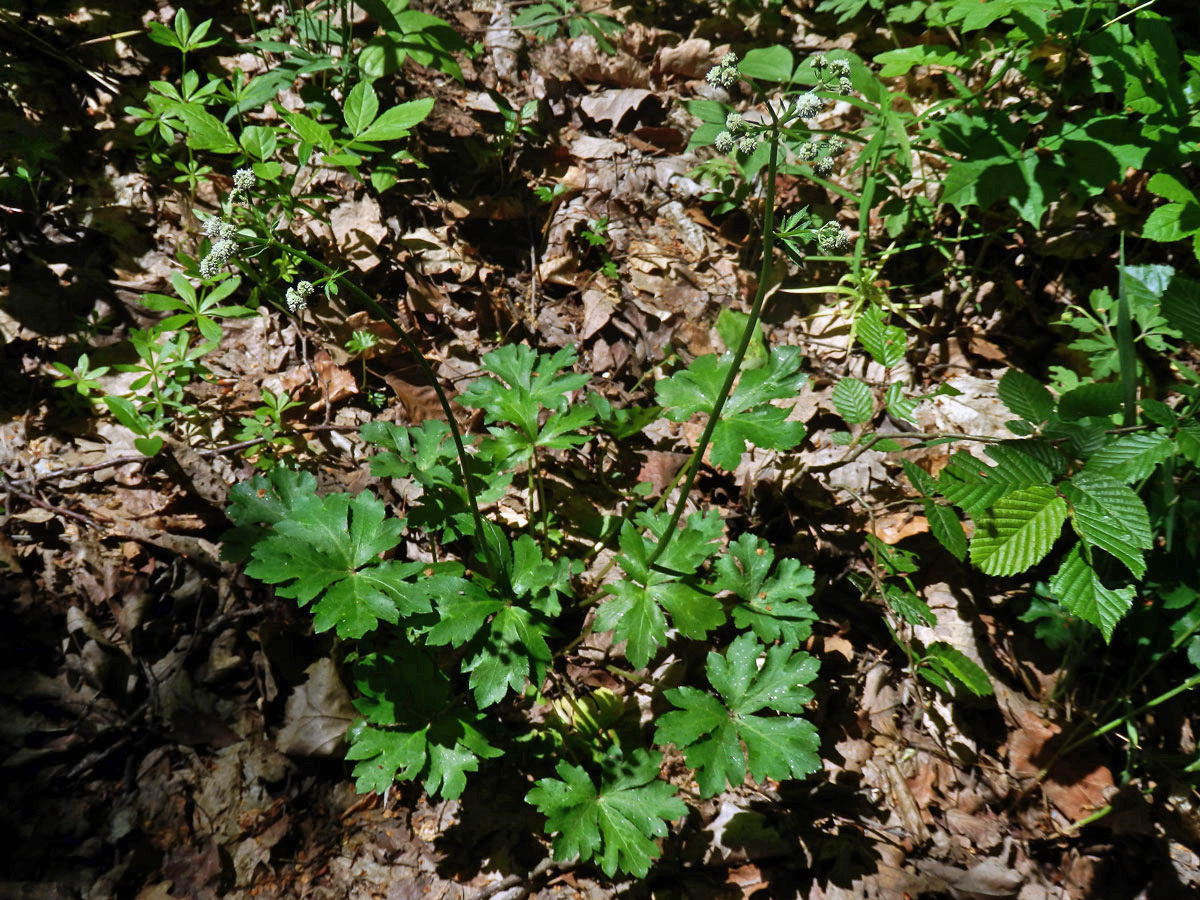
760	295
480	536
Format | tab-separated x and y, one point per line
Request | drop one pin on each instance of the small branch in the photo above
8	486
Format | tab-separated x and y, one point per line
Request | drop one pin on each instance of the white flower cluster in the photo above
297	297
725	73
735	125
243	183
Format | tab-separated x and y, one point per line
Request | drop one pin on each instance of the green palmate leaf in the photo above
360	108
748	416
526	383
1018	530
776	607
731	325
950	663
327	550
1025	396
1107	514
616	821
1131	457
711	731
262	501
413	725
396	122
637	608
886	343
1079	589
854	401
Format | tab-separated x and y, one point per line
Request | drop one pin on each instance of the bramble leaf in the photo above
775	607
951	663
616	822
886	343
711	731
748	416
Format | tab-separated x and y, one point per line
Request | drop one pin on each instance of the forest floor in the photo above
171	729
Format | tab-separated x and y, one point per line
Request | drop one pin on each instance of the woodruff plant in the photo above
452	614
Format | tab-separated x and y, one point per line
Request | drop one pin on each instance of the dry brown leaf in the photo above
616	106
892	528
598	308
359	230
337	383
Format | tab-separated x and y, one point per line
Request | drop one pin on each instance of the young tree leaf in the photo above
1018	530
953	663
1079	589
886	343
1131	457
777	607
1025	396
1107	514
748	416
617	821
854	401
711	731
908	606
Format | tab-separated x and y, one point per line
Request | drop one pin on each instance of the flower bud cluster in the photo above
724	74
297	297
218	229
831	238
243	183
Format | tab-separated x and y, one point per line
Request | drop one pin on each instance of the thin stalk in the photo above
760	295
1125	350
480	537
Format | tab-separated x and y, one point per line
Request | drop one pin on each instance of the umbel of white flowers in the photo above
222	232
297	297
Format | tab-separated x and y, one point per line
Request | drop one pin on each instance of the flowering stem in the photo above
480	536
760	295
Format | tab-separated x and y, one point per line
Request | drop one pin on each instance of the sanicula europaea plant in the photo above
496	627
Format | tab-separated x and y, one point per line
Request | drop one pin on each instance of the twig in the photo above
8	486
516	879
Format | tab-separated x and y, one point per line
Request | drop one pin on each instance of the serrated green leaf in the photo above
710	732
526	382
748	416
327	550
636	609
397	122
911	608
775	607
262	501
413	724
731	325
1018	530
310	131
205	131
955	664
1131	457
854	401
1107	514
1077	587
947	528
886	343
1025	396
1181	300
1094	399
617	821
1188	439
360	108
